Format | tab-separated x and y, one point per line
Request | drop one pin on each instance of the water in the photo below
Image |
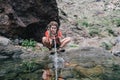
7	67
9	62
55	61
58	61
13	69
17	69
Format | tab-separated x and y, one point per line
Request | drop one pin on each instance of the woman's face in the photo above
53	29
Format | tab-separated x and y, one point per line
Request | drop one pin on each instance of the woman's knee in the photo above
68	39
43	39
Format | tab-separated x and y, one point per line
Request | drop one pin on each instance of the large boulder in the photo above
26	18
4	41
7	50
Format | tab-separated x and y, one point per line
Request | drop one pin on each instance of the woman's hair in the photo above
53	23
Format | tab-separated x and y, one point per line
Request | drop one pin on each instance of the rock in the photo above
117	53
27	19
118	39
116	48
4	20
2	72
89	56
3	57
10	51
17	53
4	41
39	46
97	70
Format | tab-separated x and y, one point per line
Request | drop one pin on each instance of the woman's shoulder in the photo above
47	31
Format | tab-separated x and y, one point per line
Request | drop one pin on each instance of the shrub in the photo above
86	24
83	23
106	45
117	22
28	66
29	43
73	45
110	32
93	32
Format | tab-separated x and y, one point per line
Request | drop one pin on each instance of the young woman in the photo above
53	33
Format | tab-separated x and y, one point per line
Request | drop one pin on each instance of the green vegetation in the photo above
95	26
117	22
28	66
83	23
106	45
109	74
78	74
93	32
44	49
113	75
87	74
105	21
110	31
74	45
86	24
29	43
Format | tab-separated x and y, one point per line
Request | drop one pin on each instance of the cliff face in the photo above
85	20
26	18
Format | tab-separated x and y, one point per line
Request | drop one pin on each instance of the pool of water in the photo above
17	69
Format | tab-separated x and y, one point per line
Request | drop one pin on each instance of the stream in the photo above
80	67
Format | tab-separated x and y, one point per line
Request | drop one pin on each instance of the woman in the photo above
53	33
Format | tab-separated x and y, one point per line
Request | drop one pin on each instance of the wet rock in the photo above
3	57
97	70
7	50
10	51
88	57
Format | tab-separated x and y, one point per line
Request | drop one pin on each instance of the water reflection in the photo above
17	69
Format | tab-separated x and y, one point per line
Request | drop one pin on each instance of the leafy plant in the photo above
93	32
29	43
111	32
106	45
86	24
117	22
83	23
28	66
73	45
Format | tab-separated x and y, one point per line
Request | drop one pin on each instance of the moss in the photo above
113	74
81	72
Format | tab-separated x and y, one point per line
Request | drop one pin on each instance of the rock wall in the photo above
26	18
